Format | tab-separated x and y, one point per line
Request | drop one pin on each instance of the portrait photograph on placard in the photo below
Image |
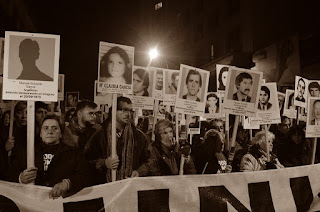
222	75
192	90
72	99
313	117
300	93
247	124
289	108
281	98
158	75
268	105
213	105
314	88
142	88
115	68
194	124
31	66
171	79
242	92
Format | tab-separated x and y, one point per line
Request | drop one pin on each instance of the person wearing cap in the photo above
166	153
57	165
256	159
82	125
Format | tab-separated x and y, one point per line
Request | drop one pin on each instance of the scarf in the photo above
126	140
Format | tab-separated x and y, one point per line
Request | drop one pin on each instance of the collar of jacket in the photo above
75	127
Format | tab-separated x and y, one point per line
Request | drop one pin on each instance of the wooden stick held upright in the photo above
30	134
227	147
155	114
113	133
11	123
314	149
233	139
182	155
267	143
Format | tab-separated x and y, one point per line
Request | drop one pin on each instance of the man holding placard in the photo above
131	147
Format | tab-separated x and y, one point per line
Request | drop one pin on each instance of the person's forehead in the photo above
123	105
217	123
167	129
246	80
317	104
212	98
41	110
89	109
314	89
301	82
194	76
50	122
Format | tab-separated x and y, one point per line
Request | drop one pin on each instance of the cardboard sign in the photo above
300	94
213	106
101	97
243	88
115	68
313	118
289	108
171	80
31	66
268	105
192	90
157	82
222	76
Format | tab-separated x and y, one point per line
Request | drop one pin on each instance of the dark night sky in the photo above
81	25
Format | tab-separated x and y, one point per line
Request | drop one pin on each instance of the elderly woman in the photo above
166	153
209	158
256	159
56	164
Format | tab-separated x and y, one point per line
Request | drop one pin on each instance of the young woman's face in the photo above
224	78
137	84
116	65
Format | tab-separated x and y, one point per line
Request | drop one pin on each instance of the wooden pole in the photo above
267	143
177	127
11	123
182	155
155	114
250	133
114	138
30	134
233	139
227	146
314	149
298	112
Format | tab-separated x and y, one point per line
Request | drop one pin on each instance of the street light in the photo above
153	53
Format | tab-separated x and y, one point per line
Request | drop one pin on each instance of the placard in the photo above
171	80
158	82
313	118
268	105
31	66
101	97
213	106
243	88
115	68
192	90
289	108
300	94
222	76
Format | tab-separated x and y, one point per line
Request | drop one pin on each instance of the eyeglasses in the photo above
126	110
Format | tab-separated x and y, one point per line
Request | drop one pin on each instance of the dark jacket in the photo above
67	163
164	162
96	148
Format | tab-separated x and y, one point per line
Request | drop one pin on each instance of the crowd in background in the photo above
73	150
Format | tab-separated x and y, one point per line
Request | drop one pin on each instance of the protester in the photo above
256	159
68	115
16	146
209	158
56	164
41	109
166	154
4	134
132	146
115	67
82	125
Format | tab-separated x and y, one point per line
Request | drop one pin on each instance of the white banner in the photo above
289	189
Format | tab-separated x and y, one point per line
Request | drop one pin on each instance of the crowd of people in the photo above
73	151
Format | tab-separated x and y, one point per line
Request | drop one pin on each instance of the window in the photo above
158	6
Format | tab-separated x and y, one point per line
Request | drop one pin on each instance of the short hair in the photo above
28	46
122	99
313	85
259	137
54	117
159	71
143	75
83	104
301	79
212	95
194	72
266	89
123	54
173	76
160	126
39	104
241	77
21	105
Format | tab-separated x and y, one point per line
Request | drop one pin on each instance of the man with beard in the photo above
82	125
131	144
194	83
243	83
